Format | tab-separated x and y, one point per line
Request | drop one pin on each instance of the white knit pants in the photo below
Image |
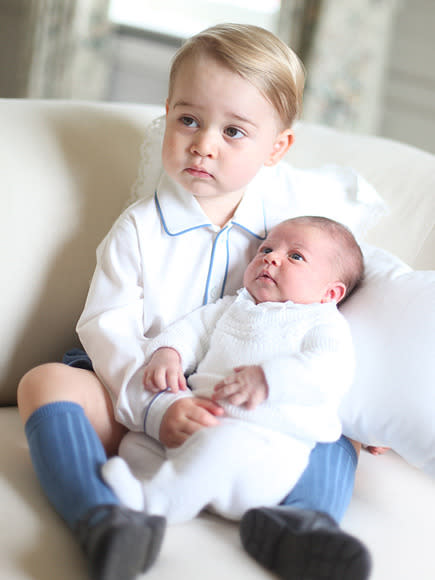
228	469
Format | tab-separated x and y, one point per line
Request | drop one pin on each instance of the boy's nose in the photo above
204	146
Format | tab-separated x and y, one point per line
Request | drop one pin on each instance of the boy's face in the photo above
295	262
220	130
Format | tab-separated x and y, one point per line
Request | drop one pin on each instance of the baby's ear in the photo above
335	292
282	144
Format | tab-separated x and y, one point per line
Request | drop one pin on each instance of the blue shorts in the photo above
76	357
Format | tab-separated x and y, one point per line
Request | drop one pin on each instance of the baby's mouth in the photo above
266	276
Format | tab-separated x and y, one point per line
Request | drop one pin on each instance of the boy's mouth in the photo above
198	172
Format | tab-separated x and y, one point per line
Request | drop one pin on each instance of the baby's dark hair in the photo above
349	258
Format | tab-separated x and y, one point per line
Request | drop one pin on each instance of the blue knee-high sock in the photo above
67	455
327	483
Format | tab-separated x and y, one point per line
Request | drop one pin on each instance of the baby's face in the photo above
295	262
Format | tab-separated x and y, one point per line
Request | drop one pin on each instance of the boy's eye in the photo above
296	256
188	121
234	133
265	250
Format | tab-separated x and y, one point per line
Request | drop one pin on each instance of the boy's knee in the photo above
40	376
42	385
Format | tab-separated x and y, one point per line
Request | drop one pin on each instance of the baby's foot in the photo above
118	476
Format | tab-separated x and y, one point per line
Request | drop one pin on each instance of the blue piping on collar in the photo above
253	233
159	209
162	219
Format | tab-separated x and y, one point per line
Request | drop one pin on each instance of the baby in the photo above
278	357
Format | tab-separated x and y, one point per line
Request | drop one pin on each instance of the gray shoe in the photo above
303	545
120	543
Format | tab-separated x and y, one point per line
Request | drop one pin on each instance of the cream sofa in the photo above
66	173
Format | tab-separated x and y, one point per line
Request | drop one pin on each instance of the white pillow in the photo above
392	400
336	192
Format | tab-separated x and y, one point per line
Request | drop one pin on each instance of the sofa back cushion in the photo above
67	172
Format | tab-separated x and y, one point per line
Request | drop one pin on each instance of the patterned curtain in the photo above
345	48
54	48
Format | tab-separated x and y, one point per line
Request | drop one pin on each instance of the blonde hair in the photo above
258	56
348	258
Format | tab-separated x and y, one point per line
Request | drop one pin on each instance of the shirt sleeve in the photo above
111	327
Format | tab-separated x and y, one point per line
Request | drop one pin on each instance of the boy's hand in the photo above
376	450
247	386
164	371
185	417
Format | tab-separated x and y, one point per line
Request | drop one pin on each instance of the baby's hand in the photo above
164	371
247	386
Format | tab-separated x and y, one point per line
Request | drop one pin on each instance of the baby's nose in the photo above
271	258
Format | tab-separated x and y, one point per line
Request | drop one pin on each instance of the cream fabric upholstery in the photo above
67	170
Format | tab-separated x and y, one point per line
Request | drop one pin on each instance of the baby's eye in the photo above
188	121
265	250
296	256
234	133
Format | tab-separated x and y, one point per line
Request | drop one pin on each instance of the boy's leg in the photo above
67	454
327	483
54	382
302	536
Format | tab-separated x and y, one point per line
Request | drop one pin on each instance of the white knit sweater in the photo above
305	351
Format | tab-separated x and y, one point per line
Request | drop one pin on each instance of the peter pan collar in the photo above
181	213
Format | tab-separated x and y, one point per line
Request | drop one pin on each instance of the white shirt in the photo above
163	258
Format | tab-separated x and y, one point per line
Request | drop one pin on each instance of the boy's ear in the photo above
167	106
282	144
334	292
